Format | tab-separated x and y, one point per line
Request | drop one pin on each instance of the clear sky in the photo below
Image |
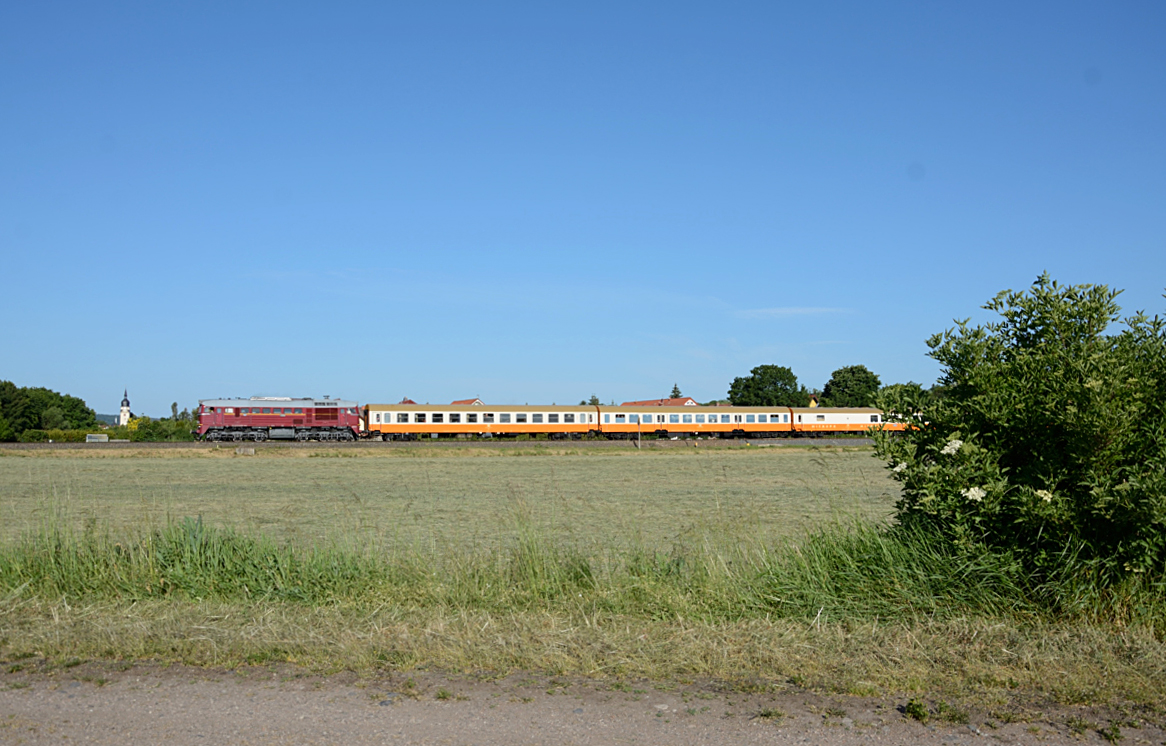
535	202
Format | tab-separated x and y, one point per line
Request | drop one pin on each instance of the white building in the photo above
124	417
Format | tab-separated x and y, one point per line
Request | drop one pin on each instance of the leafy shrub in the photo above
1050	438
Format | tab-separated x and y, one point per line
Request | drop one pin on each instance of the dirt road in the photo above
115	704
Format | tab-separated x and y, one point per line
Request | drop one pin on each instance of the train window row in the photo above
488	418
699	419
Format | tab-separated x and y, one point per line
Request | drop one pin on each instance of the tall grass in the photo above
856	572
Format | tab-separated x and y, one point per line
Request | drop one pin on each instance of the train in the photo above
284	418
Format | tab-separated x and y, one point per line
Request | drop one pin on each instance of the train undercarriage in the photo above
261	434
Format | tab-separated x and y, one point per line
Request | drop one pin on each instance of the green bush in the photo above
1050	438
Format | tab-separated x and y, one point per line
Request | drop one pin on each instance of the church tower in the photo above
126	414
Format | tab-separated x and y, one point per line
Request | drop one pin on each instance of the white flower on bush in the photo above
1045	495
974	494
900	467
952	447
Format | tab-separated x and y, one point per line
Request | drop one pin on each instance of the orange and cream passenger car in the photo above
408	420
405	421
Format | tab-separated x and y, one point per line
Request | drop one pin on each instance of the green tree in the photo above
594	400
676	391
7	434
174	411
768	385
851	386
24	408
1049	439
53	419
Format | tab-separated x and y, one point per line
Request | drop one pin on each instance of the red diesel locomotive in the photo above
278	418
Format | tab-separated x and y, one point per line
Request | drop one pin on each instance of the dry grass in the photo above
450	497
987	662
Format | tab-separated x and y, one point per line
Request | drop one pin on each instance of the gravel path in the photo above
101	704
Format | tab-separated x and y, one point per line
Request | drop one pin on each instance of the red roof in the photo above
684	401
469	402
407	400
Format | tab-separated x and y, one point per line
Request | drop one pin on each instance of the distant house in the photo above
407	400
684	401
468	403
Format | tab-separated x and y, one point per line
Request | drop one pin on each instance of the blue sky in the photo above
535	202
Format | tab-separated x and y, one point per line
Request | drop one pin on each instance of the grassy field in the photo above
443	498
765	567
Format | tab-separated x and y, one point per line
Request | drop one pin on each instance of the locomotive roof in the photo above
272	401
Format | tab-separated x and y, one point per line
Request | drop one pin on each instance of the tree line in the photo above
37	414
24	409
777	386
